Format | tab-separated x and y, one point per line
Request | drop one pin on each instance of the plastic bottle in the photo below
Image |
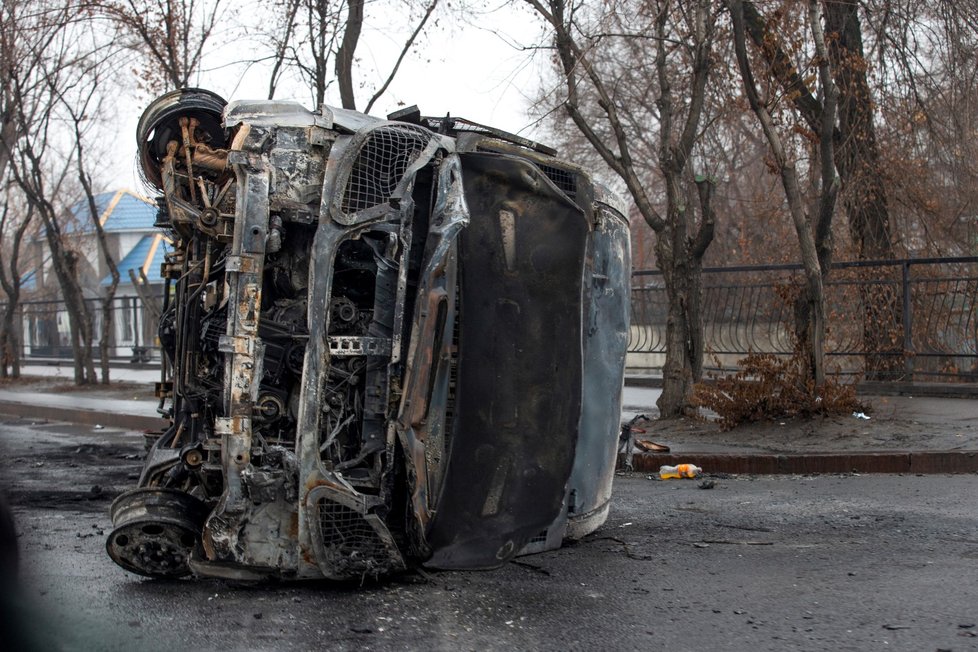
679	471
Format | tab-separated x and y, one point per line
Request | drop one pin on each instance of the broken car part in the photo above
386	343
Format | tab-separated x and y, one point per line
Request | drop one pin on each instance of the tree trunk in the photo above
684	334
810	323
4	347
863	187
14	340
79	317
8	136
680	258
694	312
857	150
813	229
106	336
64	262
344	56
10	341
677	372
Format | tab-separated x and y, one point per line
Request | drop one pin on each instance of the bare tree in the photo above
281	38
319	38
45	55
80	112
597	60
27	30
926	87
856	150
41	193
169	36
857	147
813	225
13	228
346	52
21	34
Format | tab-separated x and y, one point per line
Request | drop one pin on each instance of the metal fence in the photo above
900	319
44	333
912	319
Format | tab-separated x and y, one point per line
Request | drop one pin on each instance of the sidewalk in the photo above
48	392
904	434
121	372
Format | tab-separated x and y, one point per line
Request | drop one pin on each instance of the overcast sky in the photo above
474	69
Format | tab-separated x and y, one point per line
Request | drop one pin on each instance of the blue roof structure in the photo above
147	255
119	210
28	281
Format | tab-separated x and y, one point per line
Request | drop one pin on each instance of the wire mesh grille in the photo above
539	538
350	543
380	165
563	179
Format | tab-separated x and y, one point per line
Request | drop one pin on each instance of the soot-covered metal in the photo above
386	343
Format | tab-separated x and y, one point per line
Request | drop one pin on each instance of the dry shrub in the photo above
772	387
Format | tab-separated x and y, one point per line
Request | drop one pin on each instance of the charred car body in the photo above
386	343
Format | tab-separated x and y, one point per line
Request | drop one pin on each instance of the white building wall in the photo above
129	240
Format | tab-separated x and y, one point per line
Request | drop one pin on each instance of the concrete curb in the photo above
796	463
78	415
863	388
758	463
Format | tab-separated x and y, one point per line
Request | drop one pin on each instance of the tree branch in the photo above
572	59
400	58
830	182
705	188
782	68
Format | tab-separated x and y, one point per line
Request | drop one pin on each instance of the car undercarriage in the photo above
386	343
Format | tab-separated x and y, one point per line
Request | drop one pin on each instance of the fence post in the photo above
908	352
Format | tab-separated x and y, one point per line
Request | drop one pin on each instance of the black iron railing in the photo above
42	328
896	319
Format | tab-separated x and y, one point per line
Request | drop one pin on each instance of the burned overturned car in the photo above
386	343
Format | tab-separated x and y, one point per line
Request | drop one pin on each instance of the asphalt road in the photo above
772	563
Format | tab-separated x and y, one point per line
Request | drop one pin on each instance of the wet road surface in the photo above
773	563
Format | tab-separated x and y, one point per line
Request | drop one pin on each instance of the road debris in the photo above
651	446
669	472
